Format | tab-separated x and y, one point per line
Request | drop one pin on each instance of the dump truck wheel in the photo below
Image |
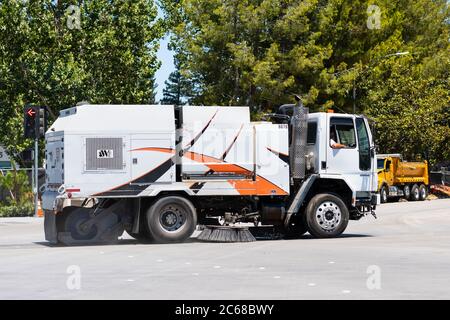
383	194
423	192
171	219
326	216
407	192
415	193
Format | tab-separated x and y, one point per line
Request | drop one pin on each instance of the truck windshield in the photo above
364	145
380	164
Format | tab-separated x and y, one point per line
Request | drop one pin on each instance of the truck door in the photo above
344	156
366	156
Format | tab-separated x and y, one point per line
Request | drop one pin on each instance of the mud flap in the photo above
51	234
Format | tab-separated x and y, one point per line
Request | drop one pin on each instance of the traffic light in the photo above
35	121
42	126
31	113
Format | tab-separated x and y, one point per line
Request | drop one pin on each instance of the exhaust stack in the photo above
298	144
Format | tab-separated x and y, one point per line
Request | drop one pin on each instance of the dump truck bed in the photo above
409	172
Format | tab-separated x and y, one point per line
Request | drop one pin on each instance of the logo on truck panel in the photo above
105	154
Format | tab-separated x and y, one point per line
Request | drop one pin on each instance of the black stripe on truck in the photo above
139	184
283	157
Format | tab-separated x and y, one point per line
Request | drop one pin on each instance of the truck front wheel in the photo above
383	194
171	219
326	216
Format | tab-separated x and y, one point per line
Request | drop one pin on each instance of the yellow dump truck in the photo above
400	179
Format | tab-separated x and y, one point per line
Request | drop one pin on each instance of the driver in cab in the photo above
333	139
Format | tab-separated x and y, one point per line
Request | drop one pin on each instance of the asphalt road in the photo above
404	254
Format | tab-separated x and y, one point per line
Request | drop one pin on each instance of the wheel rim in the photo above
172	218
384	195
416	193
328	215
407	192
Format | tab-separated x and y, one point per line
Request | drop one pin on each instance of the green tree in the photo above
260	52
57	53
177	89
172	91
16	183
411	111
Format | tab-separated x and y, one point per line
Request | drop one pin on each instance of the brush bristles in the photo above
224	234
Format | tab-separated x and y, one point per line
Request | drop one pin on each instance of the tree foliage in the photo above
260	52
50	57
16	183
177	90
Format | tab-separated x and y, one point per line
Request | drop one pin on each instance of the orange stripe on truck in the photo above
260	186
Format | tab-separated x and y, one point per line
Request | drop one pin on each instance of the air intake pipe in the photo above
297	148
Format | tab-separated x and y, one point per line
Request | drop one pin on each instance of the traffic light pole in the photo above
36	176
35	125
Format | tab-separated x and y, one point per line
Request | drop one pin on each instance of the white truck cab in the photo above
354	163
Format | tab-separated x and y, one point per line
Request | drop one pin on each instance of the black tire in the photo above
330	223
407	192
384	194
423	192
415	193
171	219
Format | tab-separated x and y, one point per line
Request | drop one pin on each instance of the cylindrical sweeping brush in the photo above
226	234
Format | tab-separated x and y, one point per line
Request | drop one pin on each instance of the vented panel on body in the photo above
298	147
104	154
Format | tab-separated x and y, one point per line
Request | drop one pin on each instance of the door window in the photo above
380	164
364	145
342	131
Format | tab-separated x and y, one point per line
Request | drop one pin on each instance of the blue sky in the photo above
167	66
166	57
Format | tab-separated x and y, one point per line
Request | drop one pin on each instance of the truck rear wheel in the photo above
415	193
326	216
383	194
171	219
423	192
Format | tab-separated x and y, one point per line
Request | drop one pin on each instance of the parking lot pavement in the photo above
404	254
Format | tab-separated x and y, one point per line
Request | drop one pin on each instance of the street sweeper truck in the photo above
160	171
